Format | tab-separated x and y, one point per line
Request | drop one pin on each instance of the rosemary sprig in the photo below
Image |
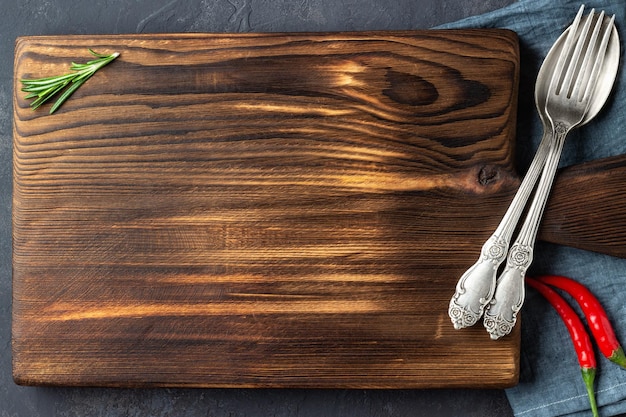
46	88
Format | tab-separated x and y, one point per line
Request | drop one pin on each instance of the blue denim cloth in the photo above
550	380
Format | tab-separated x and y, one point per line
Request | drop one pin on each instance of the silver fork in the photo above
568	100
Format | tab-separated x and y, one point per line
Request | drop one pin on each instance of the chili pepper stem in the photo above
618	357
589	375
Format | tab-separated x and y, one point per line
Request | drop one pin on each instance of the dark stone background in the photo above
56	17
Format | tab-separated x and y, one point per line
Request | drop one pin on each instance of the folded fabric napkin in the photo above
550	380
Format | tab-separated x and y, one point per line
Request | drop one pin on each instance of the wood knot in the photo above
488	175
490	179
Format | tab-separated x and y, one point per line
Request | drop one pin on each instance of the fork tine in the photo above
591	56
555	82
571	75
595	73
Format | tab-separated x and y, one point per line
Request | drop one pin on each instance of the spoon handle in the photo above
501	313
476	286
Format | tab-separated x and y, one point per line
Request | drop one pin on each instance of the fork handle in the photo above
476	286
528	231
501	314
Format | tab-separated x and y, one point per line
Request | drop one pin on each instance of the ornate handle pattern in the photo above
476	287
501	314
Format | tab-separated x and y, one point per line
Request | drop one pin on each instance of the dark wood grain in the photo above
587	207
280	210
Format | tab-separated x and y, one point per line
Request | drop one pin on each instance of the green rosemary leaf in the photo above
43	89
47	80
67	94
97	55
47	95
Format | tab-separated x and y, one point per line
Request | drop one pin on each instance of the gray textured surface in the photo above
54	17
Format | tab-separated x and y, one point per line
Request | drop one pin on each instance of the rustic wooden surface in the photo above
261	210
586	208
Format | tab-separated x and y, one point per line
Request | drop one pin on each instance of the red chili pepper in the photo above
578	334
597	318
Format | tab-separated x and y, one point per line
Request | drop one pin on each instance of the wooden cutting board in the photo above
261	210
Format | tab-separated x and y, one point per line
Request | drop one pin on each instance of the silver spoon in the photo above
586	80
476	287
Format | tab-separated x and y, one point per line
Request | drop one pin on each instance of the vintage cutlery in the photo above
571	95
476	286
